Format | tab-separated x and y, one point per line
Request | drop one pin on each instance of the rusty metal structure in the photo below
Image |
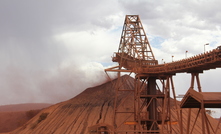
154	87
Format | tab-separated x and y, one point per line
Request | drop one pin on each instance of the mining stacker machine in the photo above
154	86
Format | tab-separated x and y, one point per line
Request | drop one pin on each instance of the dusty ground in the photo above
16	115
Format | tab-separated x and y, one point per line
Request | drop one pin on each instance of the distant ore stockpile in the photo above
92	108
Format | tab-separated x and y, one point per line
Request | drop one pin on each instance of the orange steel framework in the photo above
154	85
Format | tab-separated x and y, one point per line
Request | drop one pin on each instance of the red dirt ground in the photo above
16	115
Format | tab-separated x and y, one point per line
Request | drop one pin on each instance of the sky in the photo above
52	50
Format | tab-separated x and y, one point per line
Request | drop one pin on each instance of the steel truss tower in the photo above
149	108
150	102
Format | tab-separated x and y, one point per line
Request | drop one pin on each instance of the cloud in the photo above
36	65
52	50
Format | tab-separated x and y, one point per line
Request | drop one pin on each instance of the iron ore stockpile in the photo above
91	110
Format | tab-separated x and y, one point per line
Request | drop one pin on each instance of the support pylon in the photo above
201	114
135	56
151	104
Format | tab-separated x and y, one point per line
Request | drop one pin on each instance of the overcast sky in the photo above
51	50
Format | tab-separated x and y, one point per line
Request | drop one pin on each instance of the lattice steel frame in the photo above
133	41
135	56
134	45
